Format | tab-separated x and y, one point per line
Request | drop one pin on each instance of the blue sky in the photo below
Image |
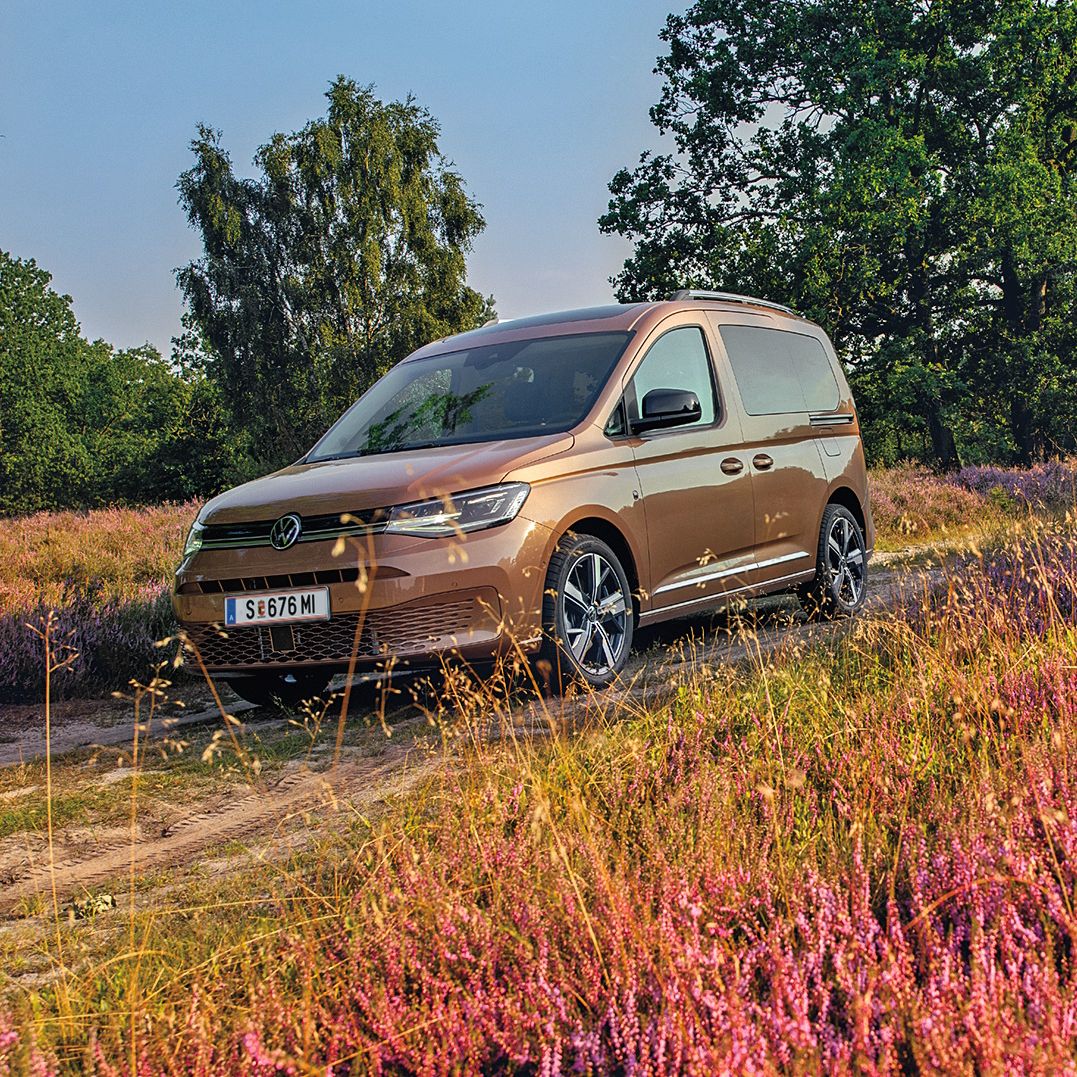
539	105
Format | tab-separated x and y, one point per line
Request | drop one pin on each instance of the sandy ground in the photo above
91	740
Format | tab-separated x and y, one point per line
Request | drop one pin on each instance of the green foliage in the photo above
84	424
344	255
903	172
44	363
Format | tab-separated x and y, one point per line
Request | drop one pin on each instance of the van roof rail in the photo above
731	297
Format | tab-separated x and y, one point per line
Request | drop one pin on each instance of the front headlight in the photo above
473	511
194	540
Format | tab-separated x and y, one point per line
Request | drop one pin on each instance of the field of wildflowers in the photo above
859	853
108	572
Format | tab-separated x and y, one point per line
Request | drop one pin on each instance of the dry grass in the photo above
118	551
852	854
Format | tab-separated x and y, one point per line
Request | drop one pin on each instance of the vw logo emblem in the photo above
285	532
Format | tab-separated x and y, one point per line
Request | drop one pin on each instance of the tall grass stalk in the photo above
56	656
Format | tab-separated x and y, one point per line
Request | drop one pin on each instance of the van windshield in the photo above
514	390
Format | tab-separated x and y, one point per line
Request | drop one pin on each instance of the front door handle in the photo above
762	462
731	465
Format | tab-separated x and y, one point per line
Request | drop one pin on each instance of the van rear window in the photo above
778	371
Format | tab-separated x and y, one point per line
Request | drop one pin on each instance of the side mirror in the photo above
667	407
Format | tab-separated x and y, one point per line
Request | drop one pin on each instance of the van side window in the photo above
816	374
678	360
779	371
617	427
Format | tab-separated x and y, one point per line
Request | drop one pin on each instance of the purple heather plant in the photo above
1048	485
18	1057
113	639
490	951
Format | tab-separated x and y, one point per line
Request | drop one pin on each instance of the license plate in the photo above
284	607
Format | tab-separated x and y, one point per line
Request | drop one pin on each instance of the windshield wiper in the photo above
376	452
336	456
420	445
385	450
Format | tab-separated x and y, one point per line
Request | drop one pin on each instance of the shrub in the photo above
911	502
107	574
1049	485
112	640
113	551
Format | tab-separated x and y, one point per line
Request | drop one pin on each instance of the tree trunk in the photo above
1021	428
943	446
1021	320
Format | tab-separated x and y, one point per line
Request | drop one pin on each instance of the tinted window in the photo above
779	372
512	390
617	427
816	373
678	360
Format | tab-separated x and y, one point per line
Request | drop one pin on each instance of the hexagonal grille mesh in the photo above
399	632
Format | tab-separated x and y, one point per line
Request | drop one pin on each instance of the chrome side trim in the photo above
343	532
839	419
721	574
725	594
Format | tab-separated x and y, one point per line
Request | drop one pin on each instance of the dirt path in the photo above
353	782
29	744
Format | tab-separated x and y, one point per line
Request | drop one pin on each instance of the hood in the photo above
372	482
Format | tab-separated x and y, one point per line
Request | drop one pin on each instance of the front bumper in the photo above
393	599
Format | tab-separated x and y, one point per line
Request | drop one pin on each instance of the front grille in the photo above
397	632
322	577
315	529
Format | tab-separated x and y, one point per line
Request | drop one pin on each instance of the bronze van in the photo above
545	485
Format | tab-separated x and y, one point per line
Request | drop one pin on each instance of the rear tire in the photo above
841	573
283	689
587	615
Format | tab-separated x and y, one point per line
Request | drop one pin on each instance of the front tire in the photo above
587	614
283	689
841	573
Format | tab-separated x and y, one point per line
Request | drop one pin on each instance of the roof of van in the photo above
612	318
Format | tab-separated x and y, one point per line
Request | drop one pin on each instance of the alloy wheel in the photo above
847	562
595	612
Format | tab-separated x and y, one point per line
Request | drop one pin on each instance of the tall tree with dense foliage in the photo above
43	364
85	424
903	172
346	253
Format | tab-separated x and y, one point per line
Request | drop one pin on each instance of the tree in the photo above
345	254
83	424
901	171
43	365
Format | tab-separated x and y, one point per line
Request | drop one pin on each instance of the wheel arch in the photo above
602	528
846	497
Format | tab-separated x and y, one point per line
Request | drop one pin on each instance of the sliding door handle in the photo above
731	465
762	462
